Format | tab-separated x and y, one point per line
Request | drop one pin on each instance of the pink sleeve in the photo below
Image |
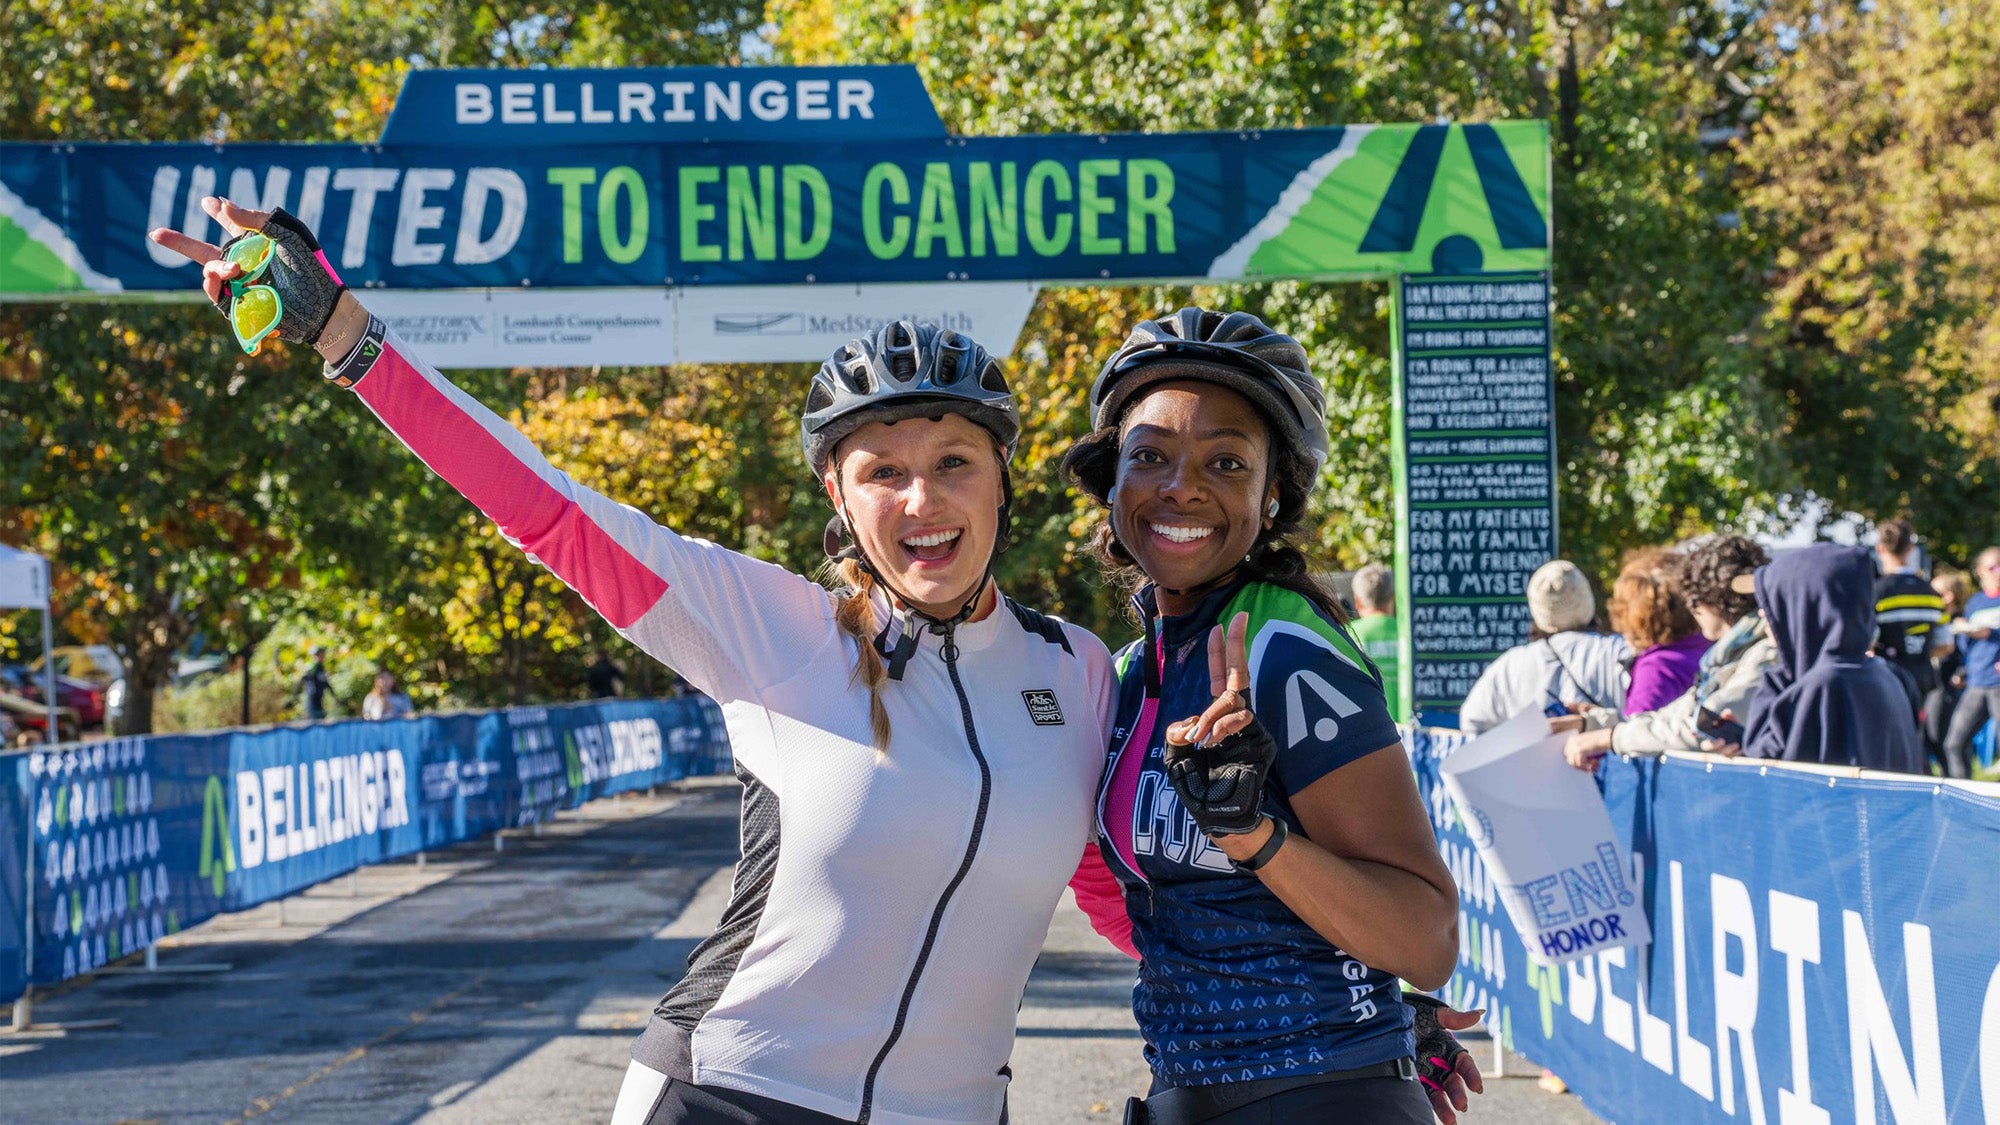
1098	893
731	624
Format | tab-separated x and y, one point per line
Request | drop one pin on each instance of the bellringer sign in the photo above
477	108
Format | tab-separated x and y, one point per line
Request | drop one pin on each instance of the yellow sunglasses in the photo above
254	310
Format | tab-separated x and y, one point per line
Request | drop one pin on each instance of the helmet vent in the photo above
993	379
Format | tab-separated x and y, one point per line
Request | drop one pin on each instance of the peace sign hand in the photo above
1219	759
305	284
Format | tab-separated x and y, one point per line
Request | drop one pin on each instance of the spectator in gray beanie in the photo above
1566	665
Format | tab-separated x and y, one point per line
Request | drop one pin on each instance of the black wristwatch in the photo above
1278	834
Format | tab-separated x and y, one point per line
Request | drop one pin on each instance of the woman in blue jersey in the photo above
1279	875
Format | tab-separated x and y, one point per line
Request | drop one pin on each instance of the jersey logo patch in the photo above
1042	707
1324	727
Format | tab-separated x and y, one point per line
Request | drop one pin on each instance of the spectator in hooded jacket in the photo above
1740	649
1565	666
1827	700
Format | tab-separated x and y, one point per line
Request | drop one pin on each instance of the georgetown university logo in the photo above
1042	707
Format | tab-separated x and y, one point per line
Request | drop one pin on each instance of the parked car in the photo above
99	664
32	718
189	669
84	697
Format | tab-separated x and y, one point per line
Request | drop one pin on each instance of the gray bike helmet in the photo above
1235	350
904	370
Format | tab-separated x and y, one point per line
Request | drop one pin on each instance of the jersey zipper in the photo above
949	650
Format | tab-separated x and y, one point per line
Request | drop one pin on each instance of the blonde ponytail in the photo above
856	618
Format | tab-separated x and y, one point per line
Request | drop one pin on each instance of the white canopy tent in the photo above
24	584
24	579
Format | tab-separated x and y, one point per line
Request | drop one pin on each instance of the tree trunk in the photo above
158	632
1569	98
249	650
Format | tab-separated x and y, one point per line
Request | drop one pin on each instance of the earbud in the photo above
1271	509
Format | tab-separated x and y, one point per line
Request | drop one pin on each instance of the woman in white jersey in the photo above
925	749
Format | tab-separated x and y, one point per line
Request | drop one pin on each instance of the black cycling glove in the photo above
299	272
1438	1050
1222	784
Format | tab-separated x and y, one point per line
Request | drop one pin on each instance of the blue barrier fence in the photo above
138	838
1826	948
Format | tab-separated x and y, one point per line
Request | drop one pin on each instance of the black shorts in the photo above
1358	1101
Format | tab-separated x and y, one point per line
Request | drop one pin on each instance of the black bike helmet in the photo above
904	370
1235	350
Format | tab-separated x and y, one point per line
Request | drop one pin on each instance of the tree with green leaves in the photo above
1775	265
178	485
1874	200
1650	285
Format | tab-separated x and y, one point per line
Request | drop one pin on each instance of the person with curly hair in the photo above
1726	676
1647	609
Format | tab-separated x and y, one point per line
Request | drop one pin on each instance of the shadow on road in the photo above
373	1018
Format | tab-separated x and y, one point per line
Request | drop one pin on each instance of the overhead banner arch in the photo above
762	214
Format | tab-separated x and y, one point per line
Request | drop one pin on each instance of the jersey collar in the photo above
1193	624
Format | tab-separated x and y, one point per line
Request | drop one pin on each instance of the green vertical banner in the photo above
1475	474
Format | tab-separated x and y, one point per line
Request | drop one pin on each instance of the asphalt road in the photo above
490	988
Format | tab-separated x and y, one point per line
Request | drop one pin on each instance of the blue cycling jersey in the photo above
1233	986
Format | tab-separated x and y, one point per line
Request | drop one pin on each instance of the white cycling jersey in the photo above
889	905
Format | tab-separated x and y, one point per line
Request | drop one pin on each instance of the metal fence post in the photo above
24	1008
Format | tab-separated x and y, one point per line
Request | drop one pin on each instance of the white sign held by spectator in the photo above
1543	832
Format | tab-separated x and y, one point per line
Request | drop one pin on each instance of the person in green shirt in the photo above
1374	625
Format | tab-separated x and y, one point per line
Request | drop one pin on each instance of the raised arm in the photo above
731	624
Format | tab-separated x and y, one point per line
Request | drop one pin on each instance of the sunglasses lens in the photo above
251	254
254	313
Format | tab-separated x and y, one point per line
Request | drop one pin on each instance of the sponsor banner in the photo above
120	859
790	323
1352	201
13	875
650	327
510	109
139	838
521	328
1829	958
1546	841
1475	474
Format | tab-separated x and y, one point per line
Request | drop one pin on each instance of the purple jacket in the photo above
1661	674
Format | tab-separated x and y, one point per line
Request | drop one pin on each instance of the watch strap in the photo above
361	357
1279	833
